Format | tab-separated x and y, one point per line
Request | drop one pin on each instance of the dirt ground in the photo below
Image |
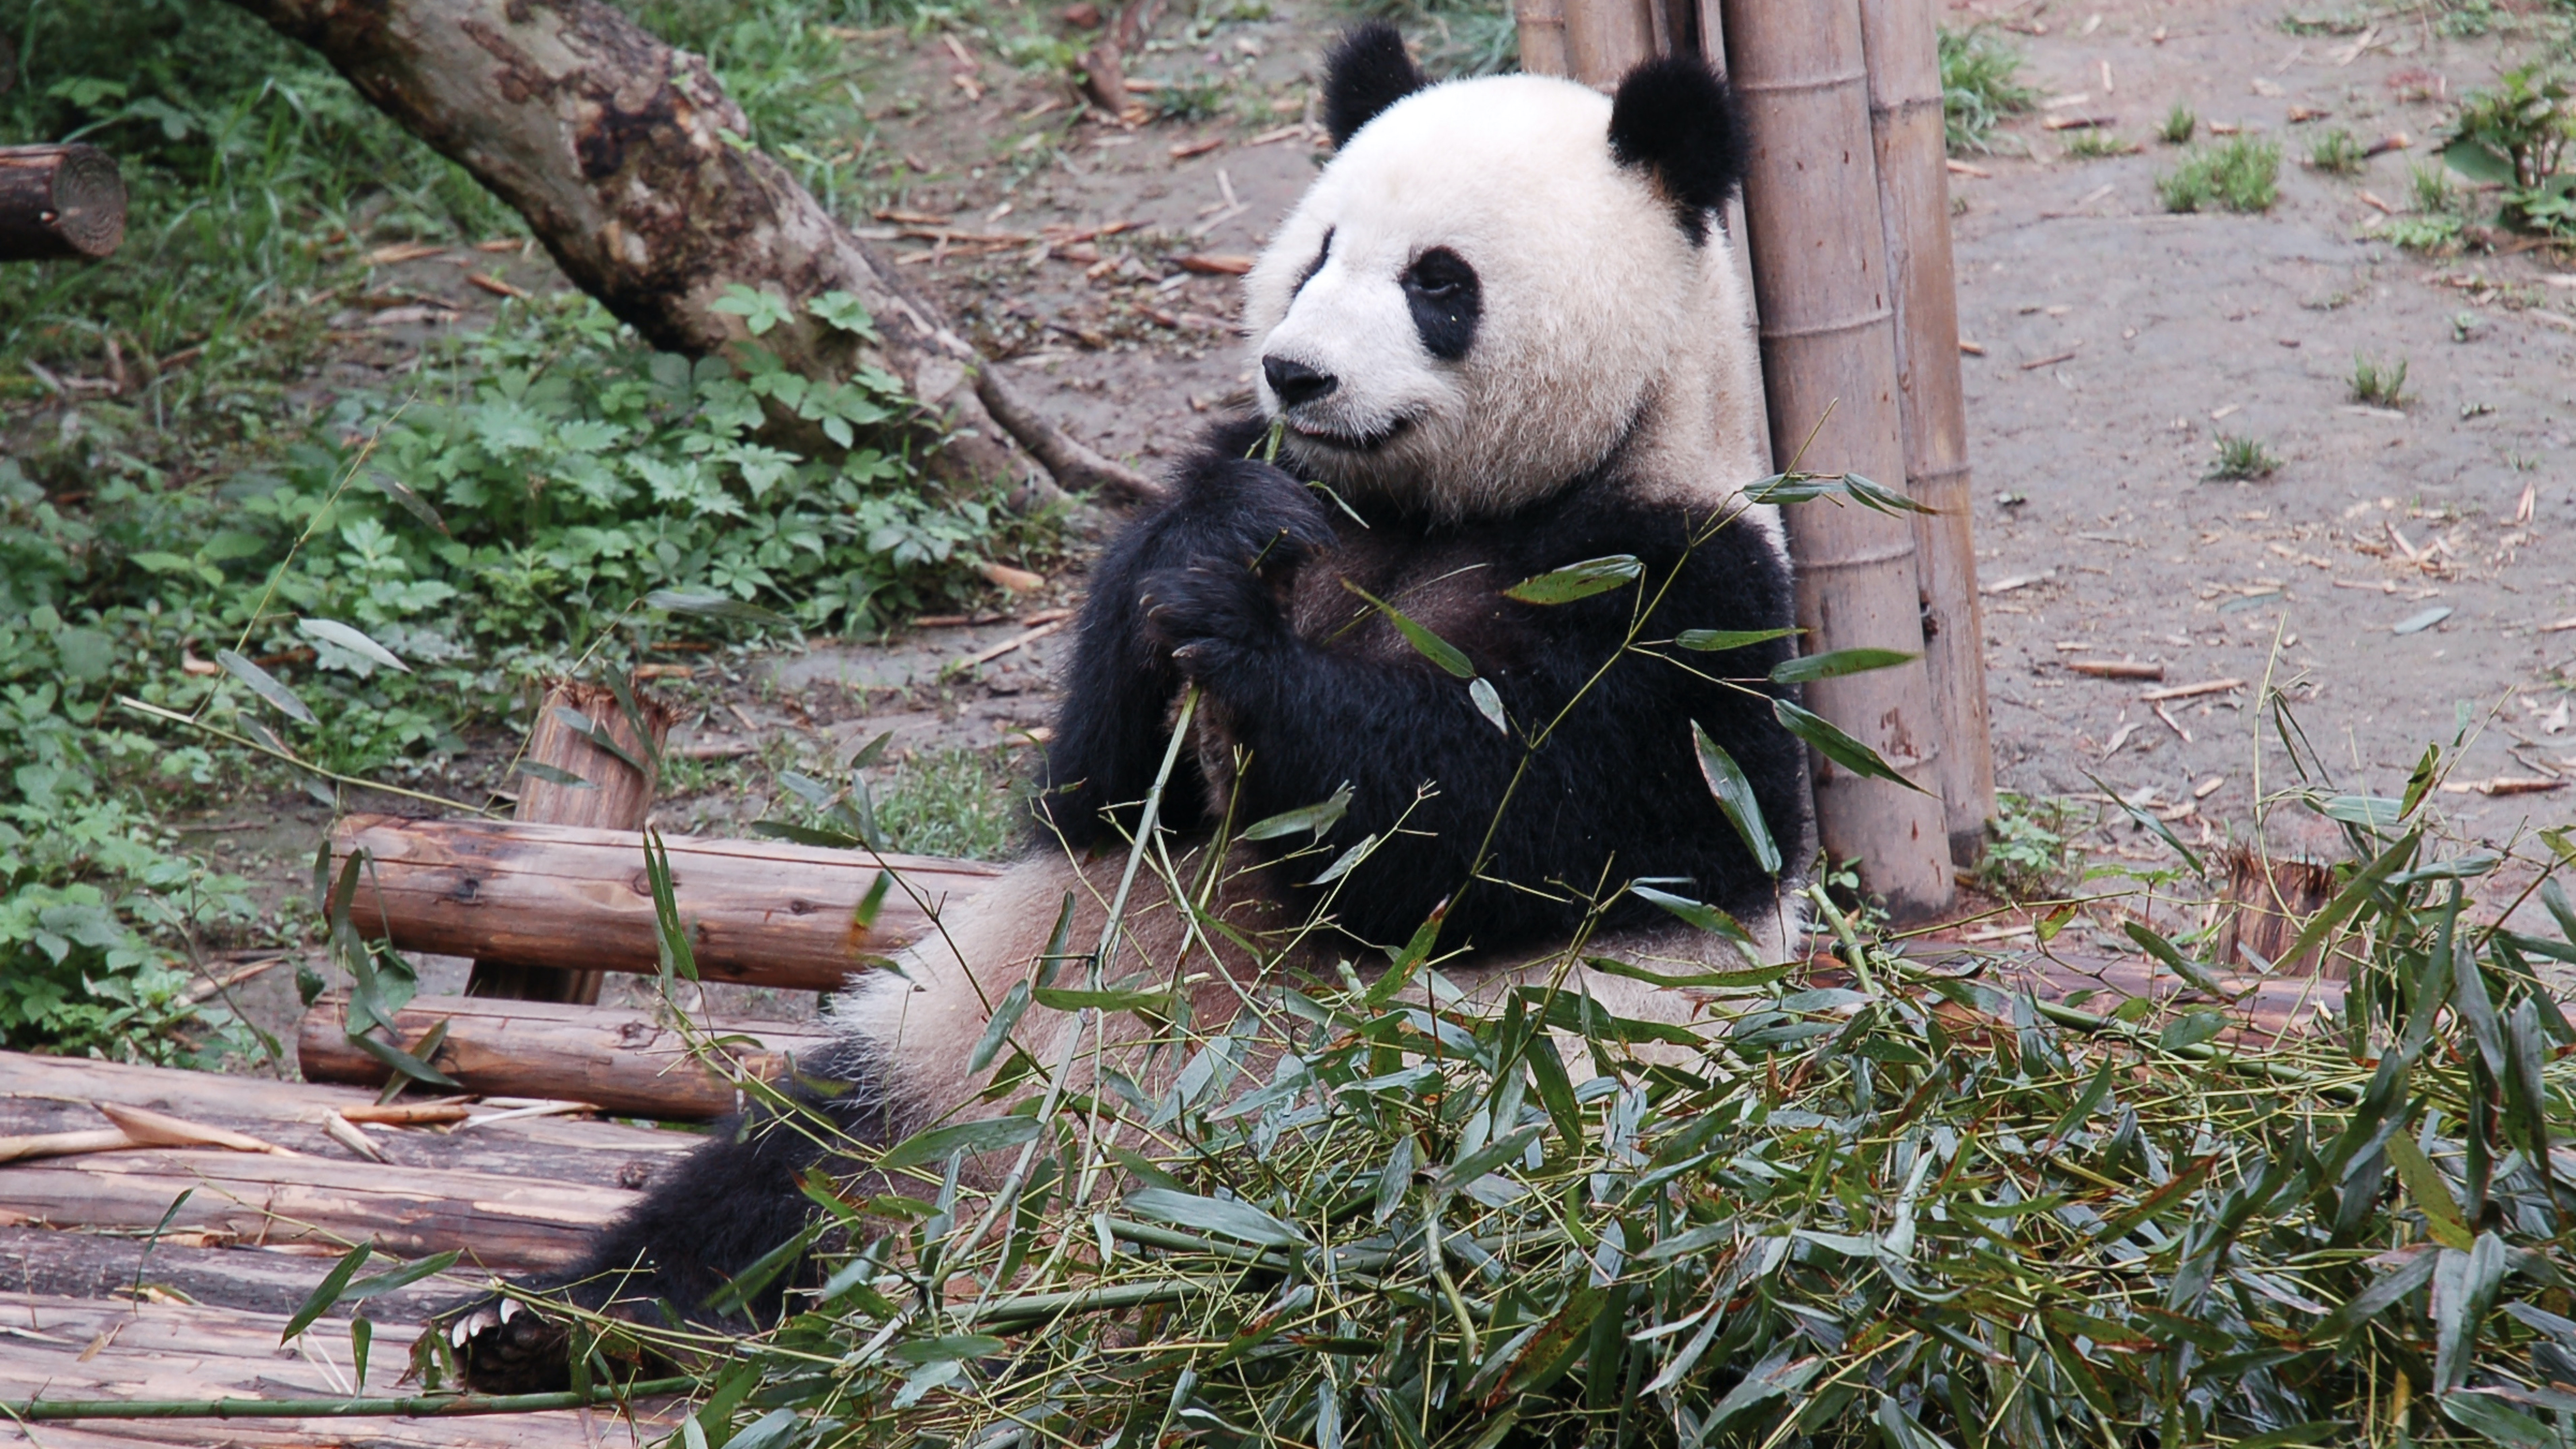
2109	345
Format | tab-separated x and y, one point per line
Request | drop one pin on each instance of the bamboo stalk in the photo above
1902	49
1829	368
618	796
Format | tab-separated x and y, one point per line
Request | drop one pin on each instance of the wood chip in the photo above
2503	785
1973	349
2067	356
2173	724
2117	668
2208	787
915	218
1017	581
1215	264
159	1129
1029	636
403	252
495	285
2192	691
2393	141
341	1130
1962	168
407	1114
2119	737
2562	625
1188	149
2079	123
2010	582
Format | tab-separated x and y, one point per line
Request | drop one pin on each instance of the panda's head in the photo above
1496	281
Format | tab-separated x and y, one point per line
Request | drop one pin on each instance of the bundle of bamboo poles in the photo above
1845	222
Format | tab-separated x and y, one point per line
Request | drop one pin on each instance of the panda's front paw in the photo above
1249	512
1208	617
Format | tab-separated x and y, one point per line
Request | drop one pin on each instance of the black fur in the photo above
1615	795
1447	301
1367	72
1680	121
715	1213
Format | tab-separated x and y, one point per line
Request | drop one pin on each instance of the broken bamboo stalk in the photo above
614	791
59	201
1821	284
764	913
500	1223
1902	49
623	1060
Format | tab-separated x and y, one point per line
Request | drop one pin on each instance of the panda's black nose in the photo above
1295	382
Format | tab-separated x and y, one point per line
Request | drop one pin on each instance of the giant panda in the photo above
1501	334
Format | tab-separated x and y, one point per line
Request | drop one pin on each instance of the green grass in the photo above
1980	87
2337	153
2179	125
2242	459
1457	37
2242	175
954	802
2378	384
2097	145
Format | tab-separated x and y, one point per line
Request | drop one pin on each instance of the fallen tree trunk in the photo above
506	1224
91	1265
59	201
624	1061
628	162
764	913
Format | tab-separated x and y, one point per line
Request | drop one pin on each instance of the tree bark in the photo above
629	163
59	201
759	912
624	1061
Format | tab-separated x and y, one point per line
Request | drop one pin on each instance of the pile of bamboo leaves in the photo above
1871	1202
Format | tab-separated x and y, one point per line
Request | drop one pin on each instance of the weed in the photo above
2378	384
2092	145
2028	854
2516	136
2434	193
2337	153
1458	37
2179	125
2241	460
1201	99
955	802
2243	175
1978	87
2339	23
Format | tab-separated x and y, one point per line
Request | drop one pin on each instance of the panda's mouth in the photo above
1362	442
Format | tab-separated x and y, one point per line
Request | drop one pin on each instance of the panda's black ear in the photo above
1367	72
1678	120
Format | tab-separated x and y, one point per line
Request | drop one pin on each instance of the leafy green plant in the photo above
2378	384
1980	88
2337	153
2029	852
2515	135
2242	175
2179	125
2242	459
2094	145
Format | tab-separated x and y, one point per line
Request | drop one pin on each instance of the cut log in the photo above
2269	900
43	1095
623	1060
614	794
59	201
101	1349
504	1224
759	912
93	1265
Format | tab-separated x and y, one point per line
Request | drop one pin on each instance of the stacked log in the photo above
59	202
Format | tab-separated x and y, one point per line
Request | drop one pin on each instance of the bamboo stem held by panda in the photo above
623	1061
760	912
1829	368
59	201
613	794
1903	50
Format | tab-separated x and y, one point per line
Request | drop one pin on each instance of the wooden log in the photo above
94	1265
2268	900
616	796
54	1094
102	1349
1829	372
1902	47
624	1060
504	1224
59	201
765	913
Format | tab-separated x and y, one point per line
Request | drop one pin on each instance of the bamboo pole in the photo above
1902	46
1829	369
617	796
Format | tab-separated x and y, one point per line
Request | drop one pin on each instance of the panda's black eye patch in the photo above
1317	265
1446	300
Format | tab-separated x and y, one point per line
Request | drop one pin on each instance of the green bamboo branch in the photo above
419	1406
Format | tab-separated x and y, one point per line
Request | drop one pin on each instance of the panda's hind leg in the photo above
720	1210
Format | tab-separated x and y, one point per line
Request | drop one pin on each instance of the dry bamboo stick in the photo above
1829	368
1903	56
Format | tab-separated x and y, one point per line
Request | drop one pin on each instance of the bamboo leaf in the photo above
402	1277
1736	799
598	736
1429	645
410	1064
1834	664
1836	746
2430	1193
715	606
1007	1015
1718	641
332	631
1488	703
2162	832
265	685
1240	1221
989	1134
325	1293
554	775
1578	580
1314	819
1704	980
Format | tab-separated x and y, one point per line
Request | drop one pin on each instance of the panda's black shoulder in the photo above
1228	439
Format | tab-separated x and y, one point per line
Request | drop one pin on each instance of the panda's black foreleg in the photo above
713	1215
